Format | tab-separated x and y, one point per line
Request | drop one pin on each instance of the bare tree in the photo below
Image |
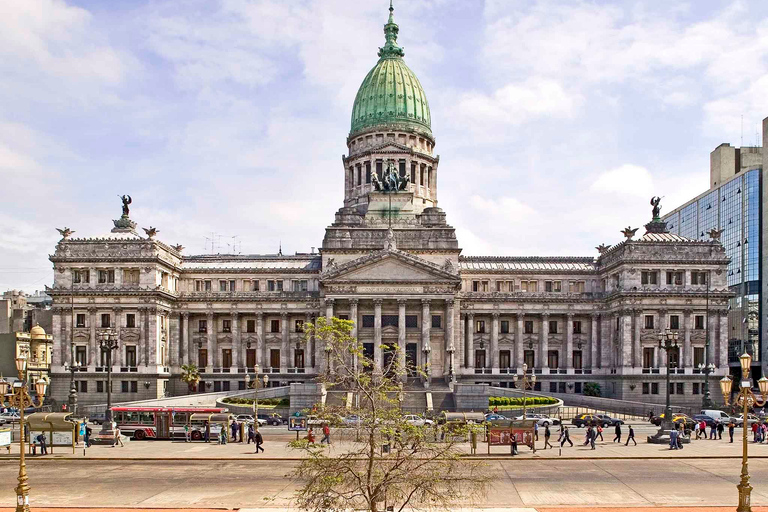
387	460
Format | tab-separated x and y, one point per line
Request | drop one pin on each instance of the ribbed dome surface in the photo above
391	95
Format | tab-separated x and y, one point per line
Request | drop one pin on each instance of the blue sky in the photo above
555	120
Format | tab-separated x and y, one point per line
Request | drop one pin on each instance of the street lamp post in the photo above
706	401
72	400
526	382
17	395
108	340
667	341
257	382
747	399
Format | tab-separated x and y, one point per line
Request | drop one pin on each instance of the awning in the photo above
214	417
56	421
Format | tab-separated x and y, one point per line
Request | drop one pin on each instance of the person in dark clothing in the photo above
251	435
547	434
41	441
617	432
631	436
235	428
720	428
259	441
87	438
566	437
731	428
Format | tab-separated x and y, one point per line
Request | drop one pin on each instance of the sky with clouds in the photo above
556	120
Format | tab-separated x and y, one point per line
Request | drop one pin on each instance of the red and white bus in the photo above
162	422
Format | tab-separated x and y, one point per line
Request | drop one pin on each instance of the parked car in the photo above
751	418
586	419
716	415
248	419
352	421
418	421
698	418
677	418
9	417
271	419
495	417
97	417
541	420
611	421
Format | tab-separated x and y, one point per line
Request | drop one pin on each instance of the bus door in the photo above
163	425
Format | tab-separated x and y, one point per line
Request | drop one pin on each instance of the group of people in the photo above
326	435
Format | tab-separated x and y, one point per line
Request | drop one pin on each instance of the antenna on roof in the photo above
280	250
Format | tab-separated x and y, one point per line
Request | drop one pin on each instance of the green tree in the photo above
390	461
191	375
592	389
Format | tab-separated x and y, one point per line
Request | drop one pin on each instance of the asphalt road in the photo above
236	484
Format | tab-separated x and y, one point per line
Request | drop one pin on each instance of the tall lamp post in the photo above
747	399
706	401
667	341
257	383
525	381
108	341
17	395
72	368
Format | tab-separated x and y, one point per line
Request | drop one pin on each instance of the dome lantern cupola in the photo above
391	97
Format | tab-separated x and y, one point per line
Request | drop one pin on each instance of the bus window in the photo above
180	418
147	418
130	417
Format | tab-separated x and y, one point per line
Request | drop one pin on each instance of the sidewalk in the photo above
276	448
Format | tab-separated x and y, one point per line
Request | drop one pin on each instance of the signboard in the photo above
5	437
59	438
523	436
297	423
499	436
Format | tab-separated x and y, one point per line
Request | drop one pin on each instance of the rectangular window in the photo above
411	322
226	358
131	276
646	388
300	285
81	355
130	320
134	386
547	286
504	327
553	326
671	388
576	286
102	276
557	286
698	322
475	286
226	326
250	357
698	356
674	322
578	360
217	386
198	286
274	326
553	387
379	169
225	386
250	326
698	278
202	326
83	386
505	359
202	357
207	284
480	327
649	321
99	386
528	327
80	320
648	277
654	388
577	327
675	278
222	286
130	356
530	358
105	320
77	276
298	325
680	388
553	359
367	172
437	322
648	357
232	286
695	388
124	386
368	321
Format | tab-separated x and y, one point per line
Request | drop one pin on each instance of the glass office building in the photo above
735	207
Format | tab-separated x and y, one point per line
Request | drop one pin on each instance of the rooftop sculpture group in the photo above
391	181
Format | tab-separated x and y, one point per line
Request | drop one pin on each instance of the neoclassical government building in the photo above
391	262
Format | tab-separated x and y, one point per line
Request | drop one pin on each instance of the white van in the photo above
716	415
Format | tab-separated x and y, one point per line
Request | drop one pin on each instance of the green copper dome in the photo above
391	95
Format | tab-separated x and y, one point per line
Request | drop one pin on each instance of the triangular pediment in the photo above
388	266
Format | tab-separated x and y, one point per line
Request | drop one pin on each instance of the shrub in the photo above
592	389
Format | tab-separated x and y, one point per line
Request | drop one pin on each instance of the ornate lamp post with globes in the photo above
108	341
257	383
17	395
667	341
525	382
747	399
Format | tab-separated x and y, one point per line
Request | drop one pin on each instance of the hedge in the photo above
280	402
518	401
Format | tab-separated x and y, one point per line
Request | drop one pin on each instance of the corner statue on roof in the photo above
656	203
126	201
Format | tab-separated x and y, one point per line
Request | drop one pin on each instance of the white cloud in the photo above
627	179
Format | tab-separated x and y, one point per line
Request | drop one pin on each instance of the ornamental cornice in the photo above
189	273
705	261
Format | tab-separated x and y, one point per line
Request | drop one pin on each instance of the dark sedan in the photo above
607	420
710	422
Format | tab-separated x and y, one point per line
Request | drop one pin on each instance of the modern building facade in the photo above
734	204
391	262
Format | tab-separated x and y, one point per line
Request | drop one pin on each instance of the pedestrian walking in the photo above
207	431
566	437
731	428
720	428
251	435
235	427
617	432
186	433
326	434
41	441
755	427
311	435
592	438
673	439
118	438
631	436
588	437
259	440
696	430
713	431
536	431
547	434
87	438
600	432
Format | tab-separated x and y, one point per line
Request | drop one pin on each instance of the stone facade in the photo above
391	263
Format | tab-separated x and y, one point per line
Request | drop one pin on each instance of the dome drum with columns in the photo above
391	262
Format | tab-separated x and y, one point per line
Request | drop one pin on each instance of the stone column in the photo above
686	358
661	354
722	341
94	357
450	345
401	304
494	342
307	353
625	338
211	341
594	362
569	341
471	341
378	360
637	351
712	349
519	350
321	349
544	342
57	355
117	354
353	303
284	344
186	345
237	345
174	339
426	331
261	346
